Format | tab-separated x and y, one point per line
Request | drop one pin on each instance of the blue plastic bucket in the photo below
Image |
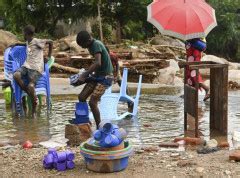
106	161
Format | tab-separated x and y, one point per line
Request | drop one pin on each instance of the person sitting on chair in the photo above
101	69
33	67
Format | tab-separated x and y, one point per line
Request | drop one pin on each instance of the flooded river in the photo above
160	119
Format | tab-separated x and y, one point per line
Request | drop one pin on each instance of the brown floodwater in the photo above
160	119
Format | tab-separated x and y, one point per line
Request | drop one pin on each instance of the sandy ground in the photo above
17	162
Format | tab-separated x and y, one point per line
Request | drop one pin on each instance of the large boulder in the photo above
75	48
212	58
64	43
165	40
168	75
234	75
6	39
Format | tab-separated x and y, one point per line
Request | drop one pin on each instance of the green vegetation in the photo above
128	18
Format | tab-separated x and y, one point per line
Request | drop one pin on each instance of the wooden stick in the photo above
67	69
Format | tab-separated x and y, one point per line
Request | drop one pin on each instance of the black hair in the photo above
83	37
29	29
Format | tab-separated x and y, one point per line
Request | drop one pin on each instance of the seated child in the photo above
33	67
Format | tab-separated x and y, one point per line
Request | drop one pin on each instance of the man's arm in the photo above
93	67
50	47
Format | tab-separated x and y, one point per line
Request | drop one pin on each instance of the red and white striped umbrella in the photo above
183	19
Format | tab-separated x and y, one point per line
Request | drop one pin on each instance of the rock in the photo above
85	129
147	125
75	48
167	75
6	39
174	155
64	43
139	151
62	55
71	129
190	141
76	134
199	169
206	150
212	143
165	40
168	166
235	155
236	136
234	75
63	46
169	145
227	172
185	163
223	145
151	149
212	58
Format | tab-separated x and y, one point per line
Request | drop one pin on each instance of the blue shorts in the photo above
31	75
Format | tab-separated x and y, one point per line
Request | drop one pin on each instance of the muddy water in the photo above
160	119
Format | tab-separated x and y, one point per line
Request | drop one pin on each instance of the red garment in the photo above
114	58
193	55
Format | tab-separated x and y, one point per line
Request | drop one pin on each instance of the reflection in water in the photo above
164	114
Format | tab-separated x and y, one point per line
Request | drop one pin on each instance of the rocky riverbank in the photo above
146	162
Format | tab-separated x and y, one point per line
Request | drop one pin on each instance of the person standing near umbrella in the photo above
194	49
188	20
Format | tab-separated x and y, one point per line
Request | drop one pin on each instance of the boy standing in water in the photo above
33	67
101	69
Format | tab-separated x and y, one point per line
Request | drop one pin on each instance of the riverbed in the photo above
160	119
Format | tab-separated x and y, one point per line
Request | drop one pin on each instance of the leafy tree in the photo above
43	14
225	38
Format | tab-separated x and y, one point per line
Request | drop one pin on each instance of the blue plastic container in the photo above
106	161
80	120
81	113
199	45
82	109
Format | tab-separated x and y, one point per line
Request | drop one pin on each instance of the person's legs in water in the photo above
18	78
24	103
130	103
86	92
33	77
206	88
93	103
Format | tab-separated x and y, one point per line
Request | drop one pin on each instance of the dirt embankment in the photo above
17	162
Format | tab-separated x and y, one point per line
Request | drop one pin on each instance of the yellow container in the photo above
7	95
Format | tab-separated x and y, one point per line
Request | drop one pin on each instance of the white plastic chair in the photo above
109	101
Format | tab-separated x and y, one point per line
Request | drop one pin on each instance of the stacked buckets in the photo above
107	151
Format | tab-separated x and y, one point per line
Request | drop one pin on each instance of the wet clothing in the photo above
193	55
106	65
31	75
34	59
94	89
